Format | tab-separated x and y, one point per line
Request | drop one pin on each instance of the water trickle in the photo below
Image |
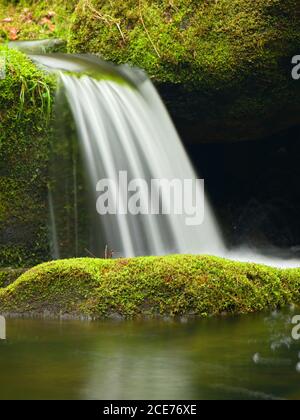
53	230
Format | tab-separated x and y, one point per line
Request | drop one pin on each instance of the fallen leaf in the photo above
27	17
45	21
50	14
13	34
7	20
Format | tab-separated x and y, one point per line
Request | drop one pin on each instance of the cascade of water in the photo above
125	128
123	125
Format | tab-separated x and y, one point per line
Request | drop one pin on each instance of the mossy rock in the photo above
149	287
224	67
25	110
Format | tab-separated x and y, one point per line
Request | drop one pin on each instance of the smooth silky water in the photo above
249	357
122	124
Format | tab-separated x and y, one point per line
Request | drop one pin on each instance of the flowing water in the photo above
38	46
249	357
123	126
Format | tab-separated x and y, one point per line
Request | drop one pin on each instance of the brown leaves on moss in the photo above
25	23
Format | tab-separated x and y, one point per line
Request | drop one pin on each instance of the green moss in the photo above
25	108
232	57
33	19
151	286
229	61
184	41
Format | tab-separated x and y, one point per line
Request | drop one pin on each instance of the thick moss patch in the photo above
152	286
25	109
227	63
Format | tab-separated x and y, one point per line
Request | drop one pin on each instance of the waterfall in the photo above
127	128
122	126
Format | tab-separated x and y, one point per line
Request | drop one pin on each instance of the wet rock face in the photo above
254	187
224	68
218	119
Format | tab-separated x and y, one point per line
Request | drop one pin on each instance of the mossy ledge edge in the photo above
149	287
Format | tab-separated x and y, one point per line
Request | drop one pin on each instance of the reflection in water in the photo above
250	357
244	393
129	376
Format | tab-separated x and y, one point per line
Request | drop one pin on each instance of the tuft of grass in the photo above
174	285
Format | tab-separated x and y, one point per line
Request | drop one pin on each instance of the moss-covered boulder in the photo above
224	67
149	287
25	107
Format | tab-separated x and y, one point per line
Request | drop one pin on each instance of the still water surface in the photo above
250	357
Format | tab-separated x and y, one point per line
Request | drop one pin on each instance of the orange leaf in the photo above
7	20
50	14
13	34
45	21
